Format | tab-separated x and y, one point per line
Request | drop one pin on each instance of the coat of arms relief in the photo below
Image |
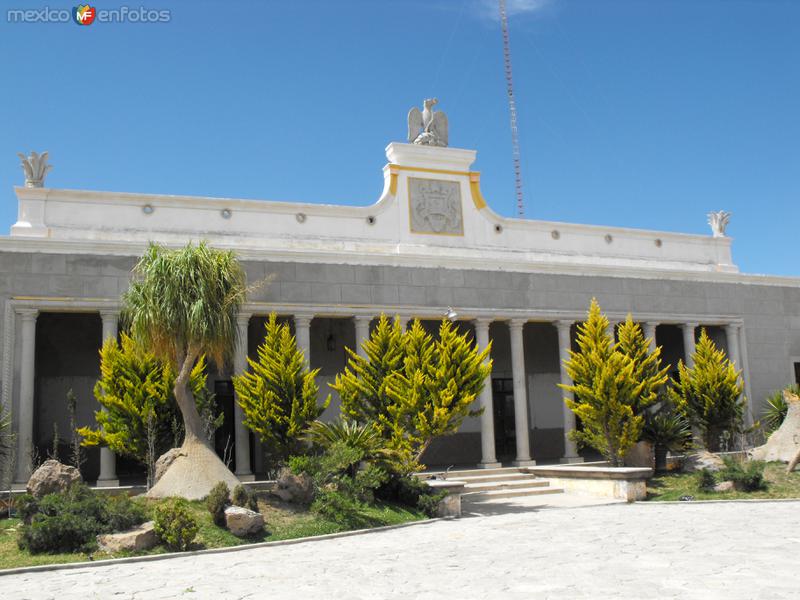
435	206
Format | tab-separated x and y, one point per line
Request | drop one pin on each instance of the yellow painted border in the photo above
460	201
475	188
393	183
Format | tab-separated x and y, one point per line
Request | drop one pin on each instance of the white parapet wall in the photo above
431	211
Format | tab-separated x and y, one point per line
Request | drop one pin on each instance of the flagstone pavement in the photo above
512	549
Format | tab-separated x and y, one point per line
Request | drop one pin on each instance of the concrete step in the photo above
490	478
488	486
510	493
470	472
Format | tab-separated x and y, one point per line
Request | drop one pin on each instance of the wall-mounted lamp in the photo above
451	314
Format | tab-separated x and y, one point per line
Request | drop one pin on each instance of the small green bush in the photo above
66	532
218	499
705	480
303	464
174	524
243	497
338	507
411	491
746	475
123	513
429	503
70	521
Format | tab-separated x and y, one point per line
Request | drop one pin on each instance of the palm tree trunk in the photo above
192	423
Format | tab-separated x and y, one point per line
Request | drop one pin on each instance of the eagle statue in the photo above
427	128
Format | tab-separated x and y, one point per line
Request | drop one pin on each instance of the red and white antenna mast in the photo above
512	109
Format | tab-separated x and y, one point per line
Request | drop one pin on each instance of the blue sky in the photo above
636	113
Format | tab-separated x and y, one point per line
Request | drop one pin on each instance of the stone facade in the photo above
60	284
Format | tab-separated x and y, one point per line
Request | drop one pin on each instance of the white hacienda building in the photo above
429	243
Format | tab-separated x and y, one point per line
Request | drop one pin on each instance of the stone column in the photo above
488	458
732	336
362	332
520	394
564	345
745	367
26	390
302	333
688	343
611	331
403	320
649	330
241	434
108	460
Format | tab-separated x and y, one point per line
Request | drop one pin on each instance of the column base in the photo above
246	477
107	483
529	462
19	485
570	460
489	465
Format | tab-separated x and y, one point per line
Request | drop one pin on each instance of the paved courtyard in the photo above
513	550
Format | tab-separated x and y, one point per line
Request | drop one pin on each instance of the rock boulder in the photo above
52	477
137	539
242	522
165	461
702	459
298	489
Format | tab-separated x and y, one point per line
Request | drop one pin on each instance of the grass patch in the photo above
283	522
780	484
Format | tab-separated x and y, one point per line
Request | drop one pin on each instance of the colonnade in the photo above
361	322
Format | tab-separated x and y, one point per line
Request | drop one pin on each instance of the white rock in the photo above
139	538
243	521
724	486
702	459
51	477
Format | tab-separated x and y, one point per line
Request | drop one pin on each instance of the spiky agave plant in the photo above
776	409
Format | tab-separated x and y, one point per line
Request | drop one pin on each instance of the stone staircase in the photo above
505	482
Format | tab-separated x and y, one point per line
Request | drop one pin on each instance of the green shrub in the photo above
705	480
67	532
174	524
429	503
303	464
746	475
123	513
243	497
70	521
341	508
218	499
411	491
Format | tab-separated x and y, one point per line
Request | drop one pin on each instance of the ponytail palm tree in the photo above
181	305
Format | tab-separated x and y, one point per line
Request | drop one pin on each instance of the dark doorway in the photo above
797	373
505	433
224	443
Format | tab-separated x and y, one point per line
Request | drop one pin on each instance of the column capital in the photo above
650	323
733	326
243	319
564	324
303	319
106	313
28	314
690	325
516	324
482	321
363	318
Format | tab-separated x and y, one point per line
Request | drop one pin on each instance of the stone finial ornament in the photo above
719	222
426	127
35	167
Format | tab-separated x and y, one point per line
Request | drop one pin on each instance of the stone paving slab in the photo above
686	551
